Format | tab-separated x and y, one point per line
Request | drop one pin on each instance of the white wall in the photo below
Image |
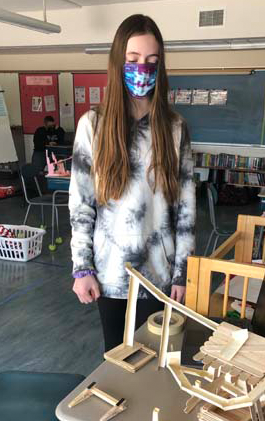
177	19
10	85
66	97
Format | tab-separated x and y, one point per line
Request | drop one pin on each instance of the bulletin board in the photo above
240	121
89	89
39	97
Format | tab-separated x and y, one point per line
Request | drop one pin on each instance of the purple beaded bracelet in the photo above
83	273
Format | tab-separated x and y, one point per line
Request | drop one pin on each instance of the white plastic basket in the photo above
26	246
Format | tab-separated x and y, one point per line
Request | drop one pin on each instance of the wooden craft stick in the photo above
159	295
156	414
244	297
104	396
85	394
130	316
225	303
164	336
115	410
238	339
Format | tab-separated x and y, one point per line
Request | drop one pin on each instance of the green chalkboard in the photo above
240	121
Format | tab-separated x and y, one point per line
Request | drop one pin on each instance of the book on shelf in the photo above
244	178
224	160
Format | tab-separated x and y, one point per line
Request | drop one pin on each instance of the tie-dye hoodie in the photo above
140	227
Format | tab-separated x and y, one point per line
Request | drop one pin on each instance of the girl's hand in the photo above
178	293
87	289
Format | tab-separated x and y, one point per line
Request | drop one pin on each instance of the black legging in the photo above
112	314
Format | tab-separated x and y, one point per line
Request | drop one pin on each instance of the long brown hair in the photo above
112	164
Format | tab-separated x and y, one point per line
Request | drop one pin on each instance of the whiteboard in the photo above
7	147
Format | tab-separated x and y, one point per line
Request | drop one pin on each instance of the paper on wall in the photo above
49	102
37	104
66	110
39	80
183	96
80	94
94	95
200	97
218	97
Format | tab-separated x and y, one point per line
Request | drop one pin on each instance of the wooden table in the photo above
146	389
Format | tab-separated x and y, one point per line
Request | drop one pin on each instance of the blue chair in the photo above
26	396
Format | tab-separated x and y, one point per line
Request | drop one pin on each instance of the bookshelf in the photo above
241	171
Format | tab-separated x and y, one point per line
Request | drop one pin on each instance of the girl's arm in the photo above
82	203
185	211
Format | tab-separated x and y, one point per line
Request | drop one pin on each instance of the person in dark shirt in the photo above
47	135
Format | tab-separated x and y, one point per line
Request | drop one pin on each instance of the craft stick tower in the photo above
233	359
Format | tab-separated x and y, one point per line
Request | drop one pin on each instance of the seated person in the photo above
47	135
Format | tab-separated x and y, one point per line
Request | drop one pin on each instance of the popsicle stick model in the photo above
228	369
118	406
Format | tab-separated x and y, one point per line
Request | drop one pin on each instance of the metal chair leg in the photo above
57	221
42	215
215	242
27	214
208	243
52	246
53	210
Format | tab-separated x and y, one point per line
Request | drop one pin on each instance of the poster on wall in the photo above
80	94
94	95
37	104
183	96
200	97
218	97
3	109
49	102
39	80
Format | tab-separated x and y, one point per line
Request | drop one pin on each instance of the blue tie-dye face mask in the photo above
140	79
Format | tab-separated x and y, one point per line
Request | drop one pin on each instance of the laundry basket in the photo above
26	246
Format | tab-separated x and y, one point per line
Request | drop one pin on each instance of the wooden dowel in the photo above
244	297
104	396
226	294
130	317
164	336
156	414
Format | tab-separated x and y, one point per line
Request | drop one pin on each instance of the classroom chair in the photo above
216	231
27	396
200	269
58	199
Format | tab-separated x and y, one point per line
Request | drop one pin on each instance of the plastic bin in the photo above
26	246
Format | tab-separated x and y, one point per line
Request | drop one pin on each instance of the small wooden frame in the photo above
129	346
119	354
118	406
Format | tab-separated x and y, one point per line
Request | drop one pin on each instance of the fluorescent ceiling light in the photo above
28	23
195	45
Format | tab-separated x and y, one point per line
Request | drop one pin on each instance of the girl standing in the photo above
132	195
